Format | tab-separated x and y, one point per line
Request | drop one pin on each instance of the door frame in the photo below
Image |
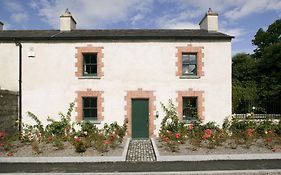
140	94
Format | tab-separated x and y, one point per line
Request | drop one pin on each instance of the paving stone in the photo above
140	150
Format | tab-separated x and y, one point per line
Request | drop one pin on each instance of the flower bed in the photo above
235	137
60	139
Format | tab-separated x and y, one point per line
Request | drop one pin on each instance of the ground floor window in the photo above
189	108
90	109
89	106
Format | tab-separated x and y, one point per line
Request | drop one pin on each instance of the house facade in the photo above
113	75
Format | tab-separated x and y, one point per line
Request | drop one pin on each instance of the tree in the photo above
244	88
268	56
256	78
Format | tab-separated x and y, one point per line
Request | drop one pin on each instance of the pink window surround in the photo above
79	57
200	102
190	49
79	102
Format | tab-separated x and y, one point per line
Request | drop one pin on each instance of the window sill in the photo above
89	77
92	121
191	121
189	77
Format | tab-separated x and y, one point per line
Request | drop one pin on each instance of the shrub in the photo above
36	147
78	144
58	143
61	128
195	135
172	131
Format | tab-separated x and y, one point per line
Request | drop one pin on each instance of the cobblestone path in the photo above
140	151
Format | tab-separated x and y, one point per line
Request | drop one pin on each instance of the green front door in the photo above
140	118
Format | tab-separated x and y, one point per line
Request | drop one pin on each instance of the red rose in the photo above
50	138
207	133
10	154
190	127
269	132
106	142
77	139
249	132
2	135
178	135
268	140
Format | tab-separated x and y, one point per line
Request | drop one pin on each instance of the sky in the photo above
239	18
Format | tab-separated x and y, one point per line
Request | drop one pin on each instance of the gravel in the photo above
48	150
187	149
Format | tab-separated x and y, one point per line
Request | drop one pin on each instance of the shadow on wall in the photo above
8	111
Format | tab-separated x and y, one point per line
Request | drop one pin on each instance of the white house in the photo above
113	75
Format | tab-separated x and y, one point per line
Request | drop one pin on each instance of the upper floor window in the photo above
189	64
90	64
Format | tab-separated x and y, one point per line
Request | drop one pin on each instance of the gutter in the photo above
20	84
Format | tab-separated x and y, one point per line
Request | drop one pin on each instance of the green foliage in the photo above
257	77
58	143
244	88
61	128
172	130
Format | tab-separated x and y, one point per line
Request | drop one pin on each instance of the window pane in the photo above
90	102
90	58
189	69
90	69
192	59
185	58
192	69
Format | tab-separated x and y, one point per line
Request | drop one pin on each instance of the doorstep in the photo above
68	159
262	156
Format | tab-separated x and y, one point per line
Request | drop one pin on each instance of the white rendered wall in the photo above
49	81
9	56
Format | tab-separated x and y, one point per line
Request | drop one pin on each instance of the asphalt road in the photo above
139	167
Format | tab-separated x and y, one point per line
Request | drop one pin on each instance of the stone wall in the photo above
8	111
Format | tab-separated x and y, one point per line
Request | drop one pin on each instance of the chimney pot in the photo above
210	21
67	22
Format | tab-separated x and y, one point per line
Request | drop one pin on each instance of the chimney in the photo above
210	21
67	22
1	25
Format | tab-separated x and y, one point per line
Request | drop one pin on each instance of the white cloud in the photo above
18	13
89	14
19	17
253	6
231	9
13	6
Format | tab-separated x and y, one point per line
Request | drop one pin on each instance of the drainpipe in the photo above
20	81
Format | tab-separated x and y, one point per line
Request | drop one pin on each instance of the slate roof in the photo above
112	34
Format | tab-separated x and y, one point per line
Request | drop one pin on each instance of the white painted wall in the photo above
9	56
49	81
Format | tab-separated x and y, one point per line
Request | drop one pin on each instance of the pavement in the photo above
144	167
140	150
142	157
